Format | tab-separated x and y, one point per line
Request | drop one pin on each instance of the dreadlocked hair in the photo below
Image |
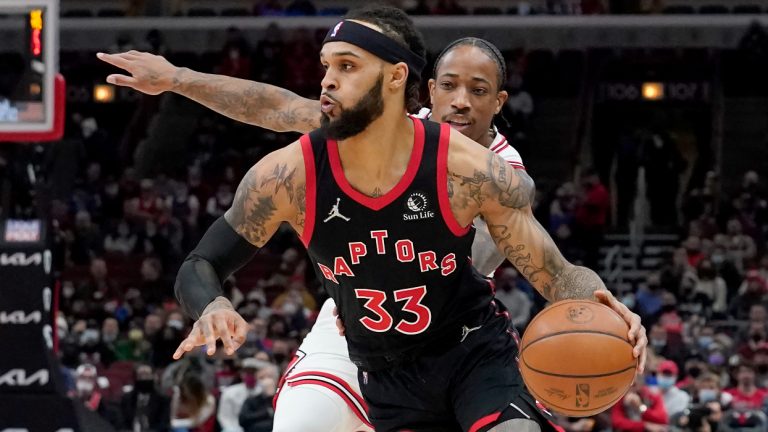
488	48
399	27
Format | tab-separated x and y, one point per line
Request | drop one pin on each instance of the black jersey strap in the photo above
220	252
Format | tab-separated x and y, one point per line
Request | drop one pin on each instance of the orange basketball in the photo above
576	359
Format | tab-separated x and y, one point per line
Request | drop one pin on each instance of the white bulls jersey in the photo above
322	362
500	146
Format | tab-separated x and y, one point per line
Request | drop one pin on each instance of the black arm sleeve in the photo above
221	252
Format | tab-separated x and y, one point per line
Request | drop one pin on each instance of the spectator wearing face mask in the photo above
710	288
707	389
694	368
144	409
110	331
650	298
257	412
666	344
709	397
166	341
233	396
675	400
753	339
89	394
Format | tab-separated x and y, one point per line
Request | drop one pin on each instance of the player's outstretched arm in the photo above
271	192
481	181
251	102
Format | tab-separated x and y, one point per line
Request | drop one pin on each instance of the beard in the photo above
354	120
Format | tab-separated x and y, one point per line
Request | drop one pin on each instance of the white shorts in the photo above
319	392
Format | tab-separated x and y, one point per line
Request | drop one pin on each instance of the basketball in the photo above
576	358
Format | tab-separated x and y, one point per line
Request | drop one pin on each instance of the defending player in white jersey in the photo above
319	391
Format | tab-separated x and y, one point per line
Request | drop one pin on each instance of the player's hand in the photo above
339	322
632	400
636	334
218	321
149	73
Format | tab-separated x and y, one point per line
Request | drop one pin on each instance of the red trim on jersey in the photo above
484	421
547	416
497	148
339	386
442	184
405	181
311	193
288	369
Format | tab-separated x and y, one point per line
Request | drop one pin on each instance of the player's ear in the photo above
432	85
398	75
501	99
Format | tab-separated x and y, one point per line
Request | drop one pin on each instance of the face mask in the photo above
716	359
176	324
658	343
252	337
290	308
109	338
718	258
249	381
665	382
279	358
135	335
145	386
705	341
69	291
84	386
629	301
707	395
694	372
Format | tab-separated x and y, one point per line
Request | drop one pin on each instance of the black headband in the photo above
377	44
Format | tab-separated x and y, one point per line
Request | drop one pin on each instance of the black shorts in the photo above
471	387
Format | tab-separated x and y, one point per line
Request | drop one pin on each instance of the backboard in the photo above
32	93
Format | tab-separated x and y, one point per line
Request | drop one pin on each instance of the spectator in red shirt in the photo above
591	216
640	410
746	395
692	247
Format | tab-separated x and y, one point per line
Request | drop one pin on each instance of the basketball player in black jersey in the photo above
433	347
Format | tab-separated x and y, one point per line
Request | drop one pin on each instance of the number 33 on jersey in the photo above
397	264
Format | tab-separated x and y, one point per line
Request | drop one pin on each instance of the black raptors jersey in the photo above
398	266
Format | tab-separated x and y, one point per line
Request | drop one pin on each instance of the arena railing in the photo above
553	32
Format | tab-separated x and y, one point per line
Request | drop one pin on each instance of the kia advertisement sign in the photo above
26	318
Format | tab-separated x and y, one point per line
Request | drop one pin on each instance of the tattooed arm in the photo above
482	182
251	102
485	256
503	197
272	192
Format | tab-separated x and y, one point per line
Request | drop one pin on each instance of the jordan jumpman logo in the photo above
335	213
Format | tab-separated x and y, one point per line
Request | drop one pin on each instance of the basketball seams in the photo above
526	345
603	375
